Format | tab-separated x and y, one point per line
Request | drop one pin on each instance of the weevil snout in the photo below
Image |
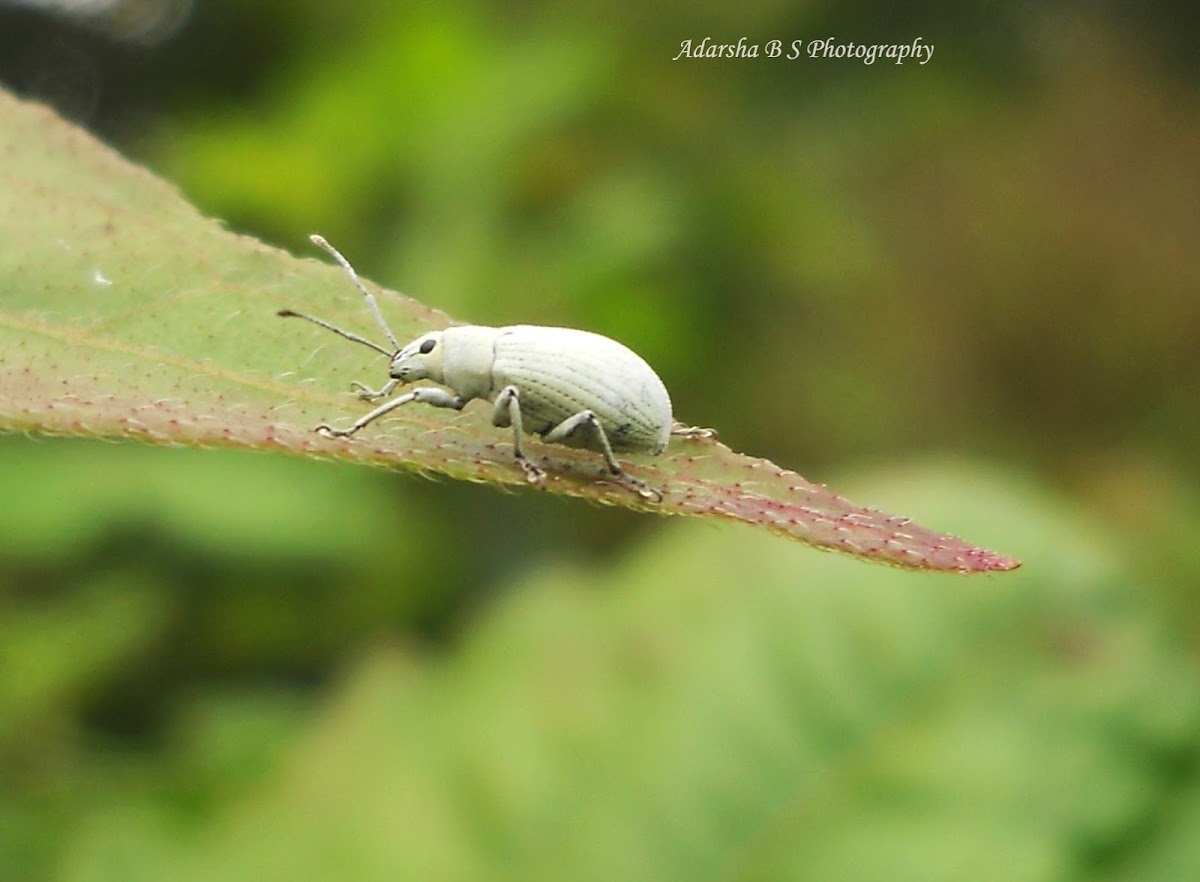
398	371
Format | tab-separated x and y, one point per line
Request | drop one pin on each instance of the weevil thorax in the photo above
470	353
459	357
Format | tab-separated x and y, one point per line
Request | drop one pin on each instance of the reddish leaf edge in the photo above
807	512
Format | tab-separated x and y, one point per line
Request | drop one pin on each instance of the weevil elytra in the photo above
570	387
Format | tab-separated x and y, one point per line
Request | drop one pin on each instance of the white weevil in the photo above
570	387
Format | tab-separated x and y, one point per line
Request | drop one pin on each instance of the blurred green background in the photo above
967	291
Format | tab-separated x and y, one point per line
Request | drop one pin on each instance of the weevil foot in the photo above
364	392
330	432
681	431
640	488
648	493
533	474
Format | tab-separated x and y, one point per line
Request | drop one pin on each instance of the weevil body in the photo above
558	374
570	387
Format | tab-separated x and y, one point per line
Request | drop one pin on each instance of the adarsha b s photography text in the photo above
827	47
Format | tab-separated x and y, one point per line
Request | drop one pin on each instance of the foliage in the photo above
711	705
220	664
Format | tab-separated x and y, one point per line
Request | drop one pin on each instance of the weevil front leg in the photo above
507	412
366	393
426	395
586	422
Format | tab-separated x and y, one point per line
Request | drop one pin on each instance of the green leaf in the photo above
125	313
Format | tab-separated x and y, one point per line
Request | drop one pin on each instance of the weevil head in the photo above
422	359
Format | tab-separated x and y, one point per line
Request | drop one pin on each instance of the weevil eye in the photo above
427	346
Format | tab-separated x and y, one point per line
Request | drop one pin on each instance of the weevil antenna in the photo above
320	242
291	313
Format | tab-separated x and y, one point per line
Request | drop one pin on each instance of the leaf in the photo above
124	313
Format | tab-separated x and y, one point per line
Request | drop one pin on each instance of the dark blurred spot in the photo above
60	73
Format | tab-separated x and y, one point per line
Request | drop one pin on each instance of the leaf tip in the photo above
1000	563
981	560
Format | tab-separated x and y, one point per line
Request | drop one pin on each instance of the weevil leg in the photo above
587	421
366	393
426	395
507	412
681	431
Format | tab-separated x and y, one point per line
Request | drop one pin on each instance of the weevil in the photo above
570	387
